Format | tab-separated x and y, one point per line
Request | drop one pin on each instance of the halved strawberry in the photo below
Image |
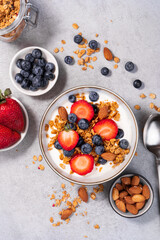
83	109
106	128
68	139
82	164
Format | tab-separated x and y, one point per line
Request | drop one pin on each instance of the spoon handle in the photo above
158	169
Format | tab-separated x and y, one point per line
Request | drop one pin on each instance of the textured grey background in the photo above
133	35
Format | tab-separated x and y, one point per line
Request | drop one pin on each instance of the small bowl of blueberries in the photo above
34	71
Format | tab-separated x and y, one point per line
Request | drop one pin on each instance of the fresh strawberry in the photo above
8	137
82	164
11	114
83	109
68	139
106	128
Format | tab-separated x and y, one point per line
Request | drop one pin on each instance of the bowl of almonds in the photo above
131	195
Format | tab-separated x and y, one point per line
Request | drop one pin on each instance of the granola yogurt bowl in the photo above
101	173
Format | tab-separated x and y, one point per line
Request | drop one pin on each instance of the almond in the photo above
82	192
128	199
132	209
123	194
66	213
126	180
115	194
138	198
107	54
108	156
103	112
120	205
140	205
146	192
63	113
135	181
127	189
135	190
119	186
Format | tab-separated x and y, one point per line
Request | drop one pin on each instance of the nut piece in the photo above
132	209
108	156
135	190
138	198
115	194
135	181
126	180
119	186
63	113
146	192
75	26
121	205
82	192
103	112
140	205
66	213
128	199
107	54
123	194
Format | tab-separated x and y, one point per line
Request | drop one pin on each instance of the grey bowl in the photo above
148	204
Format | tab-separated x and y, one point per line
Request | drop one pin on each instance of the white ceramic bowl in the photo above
127	123
146	207
23	134
13	70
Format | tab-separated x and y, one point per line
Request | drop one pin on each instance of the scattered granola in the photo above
116	59
115	66
152	95
61	49
93	195
96	35
142	96
41	167
63	41
151	105
34	158
137	107
56	50
75	26
105	41
51	219
96	226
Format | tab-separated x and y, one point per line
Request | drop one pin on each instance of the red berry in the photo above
82	164
8	137
106	128
68	139
83	109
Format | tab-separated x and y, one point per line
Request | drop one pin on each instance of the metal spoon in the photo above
151	139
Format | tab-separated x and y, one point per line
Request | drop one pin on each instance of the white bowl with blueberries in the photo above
34	71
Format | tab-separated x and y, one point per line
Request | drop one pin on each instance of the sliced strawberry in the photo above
106	128
68	139
83	109
82	164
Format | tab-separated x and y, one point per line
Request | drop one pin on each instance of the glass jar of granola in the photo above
14	16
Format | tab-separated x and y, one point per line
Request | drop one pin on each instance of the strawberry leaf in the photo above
7	92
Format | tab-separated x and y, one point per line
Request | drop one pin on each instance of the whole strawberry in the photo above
11	114
8	137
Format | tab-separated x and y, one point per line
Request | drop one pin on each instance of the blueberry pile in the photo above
35	72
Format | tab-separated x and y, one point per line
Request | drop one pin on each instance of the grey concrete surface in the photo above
133	34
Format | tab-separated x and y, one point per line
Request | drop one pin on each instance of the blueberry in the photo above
57	145
38	71
93	96
99	150
137	83
80	141
129	66
19	78
102	161
36	82
25	83
44	83
41	62
124	144
72	126
48	75
72	118
25	74
72	98
93	44
86	148
120	133
95	108
97	140
49	67
68	153
18	63
78	39
37	53
26	65
31	88
68	60
29	57
105	71
83	124
31	76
